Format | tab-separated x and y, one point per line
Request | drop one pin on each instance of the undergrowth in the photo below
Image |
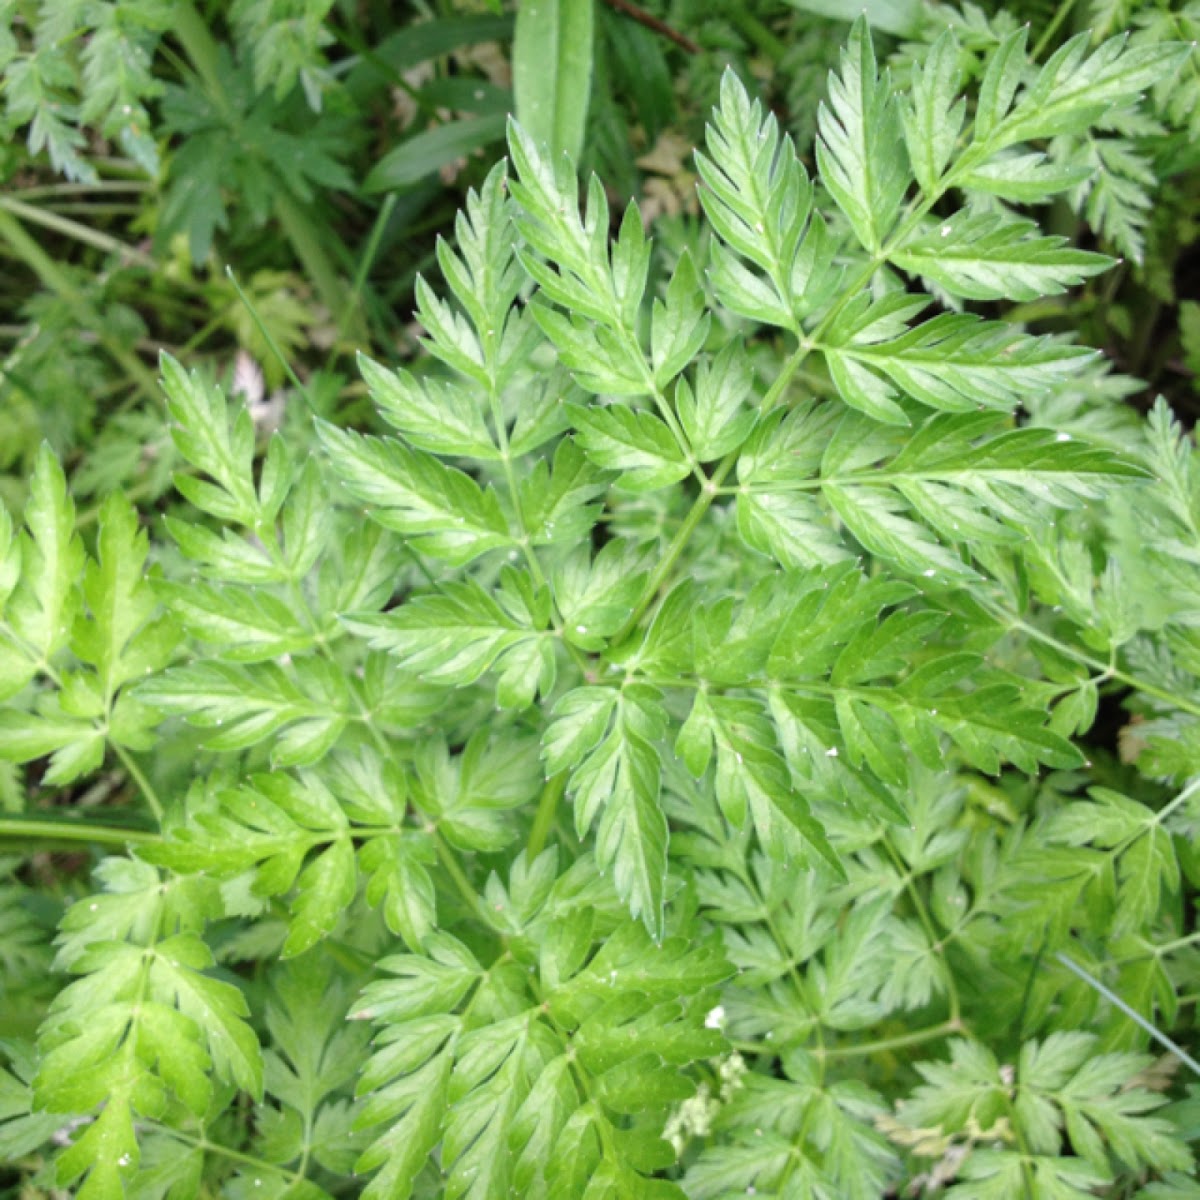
737	733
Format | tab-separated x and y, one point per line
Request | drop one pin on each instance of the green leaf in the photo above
619	781
858	151
958	479
427	152
601	286
483	276
988	258
772	517
244	706
558	501
473	796
552	71
1135	841
900	18
442	418
141	1021
953	362
1074	89
449	638
582	717
715	416
315	1053
416	495
41	609
595	595
877	521
1023	177
250	626
758	199
636	443
325	888
1060	1082
679	326
221	448
75	745
752	780
933	117
509	1104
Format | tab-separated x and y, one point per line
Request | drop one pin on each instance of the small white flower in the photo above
715	1019
248	380
732	1071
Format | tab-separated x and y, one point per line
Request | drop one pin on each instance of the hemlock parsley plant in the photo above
653	769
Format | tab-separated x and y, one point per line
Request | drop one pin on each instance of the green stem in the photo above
75	230
747	24
1015	623
932	1033
704	501
268	337
543	819
204	1145
366	261
308	242
936	943
445	854
134	494
510	476
75	831
751	885
1060	15
1158	950
1136	1017
463	885
135	773
201	48
79	189
666	564
57	280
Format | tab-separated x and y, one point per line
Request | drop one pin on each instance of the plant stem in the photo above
367	260
458	875
139	491
74	229
308	242
703	502
651	22
204	1145
135	773
201	49
1136	1017
268	337
1015	623
75	831
543	819
936	943
747	24
943	1029
1060	15
53	277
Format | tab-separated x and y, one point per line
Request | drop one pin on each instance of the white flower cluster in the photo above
694	1117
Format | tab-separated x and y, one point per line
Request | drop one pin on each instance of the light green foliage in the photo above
143	1026
530	1098
55	85
671	730
552	71
88	626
